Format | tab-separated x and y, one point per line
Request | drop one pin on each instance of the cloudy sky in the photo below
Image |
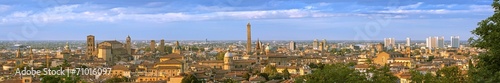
227	19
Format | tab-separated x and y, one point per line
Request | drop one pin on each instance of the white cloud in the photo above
470	9
416	5
78	12
213	8
4	8
21	14
435	11
446	5
152	4
481	7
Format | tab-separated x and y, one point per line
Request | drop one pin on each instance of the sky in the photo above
227	19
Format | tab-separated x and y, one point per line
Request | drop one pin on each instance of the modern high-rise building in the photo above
389	42
90	46
161	48
292	45
315	44
408	41
432	42
152	46
440	42
128	45
249	38
455	41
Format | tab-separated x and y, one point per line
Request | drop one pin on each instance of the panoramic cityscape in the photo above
238	41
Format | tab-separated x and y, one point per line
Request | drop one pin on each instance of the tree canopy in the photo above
444	75
343	73
190	79
487	33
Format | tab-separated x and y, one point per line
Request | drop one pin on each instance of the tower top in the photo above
228	53
18	54
248	24
128	36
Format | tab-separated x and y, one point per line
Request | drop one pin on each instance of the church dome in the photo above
228	54
268	48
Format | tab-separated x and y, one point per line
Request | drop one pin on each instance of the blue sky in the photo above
227	19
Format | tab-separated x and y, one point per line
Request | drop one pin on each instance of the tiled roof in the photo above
120	67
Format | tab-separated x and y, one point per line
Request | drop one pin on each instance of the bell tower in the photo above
249	38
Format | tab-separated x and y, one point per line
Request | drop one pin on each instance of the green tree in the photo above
487	68
230	81
450	75
382	75
190	79
429	78
65	64
270	69
51	79
272	72
333	73
61	79
286	74
416	77
430	58
246	76
265	75
168	49
220	56
116	79
147	49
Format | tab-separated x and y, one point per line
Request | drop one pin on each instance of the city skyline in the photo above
226	20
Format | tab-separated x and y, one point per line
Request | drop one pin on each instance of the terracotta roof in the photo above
169	67
288	67
104	47
257	78
402	58
276	56
112	42
12	81
239	69
212	61
170	62
172	56
362	66
403	75
244	61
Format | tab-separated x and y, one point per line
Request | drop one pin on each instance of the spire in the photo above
176	43
67	45
229	48
47	58
18	53
31	53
